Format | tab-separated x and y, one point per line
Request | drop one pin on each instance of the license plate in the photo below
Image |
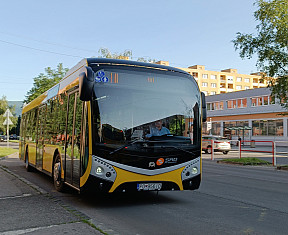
149	186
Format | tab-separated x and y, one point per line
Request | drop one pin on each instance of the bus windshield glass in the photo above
133	106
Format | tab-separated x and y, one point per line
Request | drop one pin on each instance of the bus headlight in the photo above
99	170
194	170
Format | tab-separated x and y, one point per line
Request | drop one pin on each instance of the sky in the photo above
35	35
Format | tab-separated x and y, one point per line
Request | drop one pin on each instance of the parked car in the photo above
221	144
13	137
1	138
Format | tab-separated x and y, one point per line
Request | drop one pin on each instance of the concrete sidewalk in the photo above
27	209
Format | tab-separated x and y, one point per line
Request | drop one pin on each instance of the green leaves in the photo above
270	45
45	81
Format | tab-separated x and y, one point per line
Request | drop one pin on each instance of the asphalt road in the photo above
231	200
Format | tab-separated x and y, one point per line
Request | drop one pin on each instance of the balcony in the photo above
222	89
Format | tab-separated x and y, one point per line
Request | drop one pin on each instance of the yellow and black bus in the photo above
117	126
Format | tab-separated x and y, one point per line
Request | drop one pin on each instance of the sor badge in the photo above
160	161
100	77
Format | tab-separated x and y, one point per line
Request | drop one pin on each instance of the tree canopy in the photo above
45	81
270	44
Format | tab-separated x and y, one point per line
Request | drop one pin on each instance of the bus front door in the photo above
72	151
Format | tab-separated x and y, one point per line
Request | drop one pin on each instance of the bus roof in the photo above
71	78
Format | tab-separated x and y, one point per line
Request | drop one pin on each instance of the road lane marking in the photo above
18	196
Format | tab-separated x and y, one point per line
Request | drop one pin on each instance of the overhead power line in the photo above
45	42
36	49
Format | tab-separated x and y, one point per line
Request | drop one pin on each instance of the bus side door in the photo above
73	137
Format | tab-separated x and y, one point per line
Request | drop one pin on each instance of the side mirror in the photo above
86	84
204	110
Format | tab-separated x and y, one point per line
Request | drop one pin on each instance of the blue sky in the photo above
185	33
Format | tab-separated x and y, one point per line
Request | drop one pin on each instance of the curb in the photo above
284	168
30	184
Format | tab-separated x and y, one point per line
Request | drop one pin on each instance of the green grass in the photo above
246	161
7	151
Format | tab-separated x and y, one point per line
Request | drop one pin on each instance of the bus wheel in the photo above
58	183
27	166
225	152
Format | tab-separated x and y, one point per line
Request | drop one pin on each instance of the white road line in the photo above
19	196
28	230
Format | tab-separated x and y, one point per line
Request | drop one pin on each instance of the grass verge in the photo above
252	161
7	151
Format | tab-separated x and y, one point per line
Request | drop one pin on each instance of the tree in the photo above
43	82
127	54
105	53
270	45
3	107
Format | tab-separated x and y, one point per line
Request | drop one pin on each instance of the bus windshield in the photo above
145	106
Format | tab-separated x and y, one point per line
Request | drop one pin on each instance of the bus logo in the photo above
160	161
100	77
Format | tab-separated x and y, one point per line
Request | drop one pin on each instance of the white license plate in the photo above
149	186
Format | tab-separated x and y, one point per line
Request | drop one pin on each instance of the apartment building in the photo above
227	80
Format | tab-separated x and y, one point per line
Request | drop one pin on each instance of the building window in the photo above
230	78
238	87
271	100
213	85
242	103
205	76
254	102
213	93
267	127
265	100
205	92
247	87
239	79
213	77
231	104
208	106
204	84
247	80
260	103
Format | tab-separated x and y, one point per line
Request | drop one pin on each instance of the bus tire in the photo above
56	174
27	166
225	152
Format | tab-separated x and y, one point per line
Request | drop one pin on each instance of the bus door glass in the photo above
40	136
73	138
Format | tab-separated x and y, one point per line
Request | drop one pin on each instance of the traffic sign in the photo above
7	122
209	126
8	113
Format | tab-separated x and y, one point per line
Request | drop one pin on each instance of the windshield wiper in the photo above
183	150
126	145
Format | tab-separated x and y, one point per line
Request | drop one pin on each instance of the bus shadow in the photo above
106	200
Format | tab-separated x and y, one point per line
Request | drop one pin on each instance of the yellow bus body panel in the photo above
86	174
48	155
127	176
32	153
